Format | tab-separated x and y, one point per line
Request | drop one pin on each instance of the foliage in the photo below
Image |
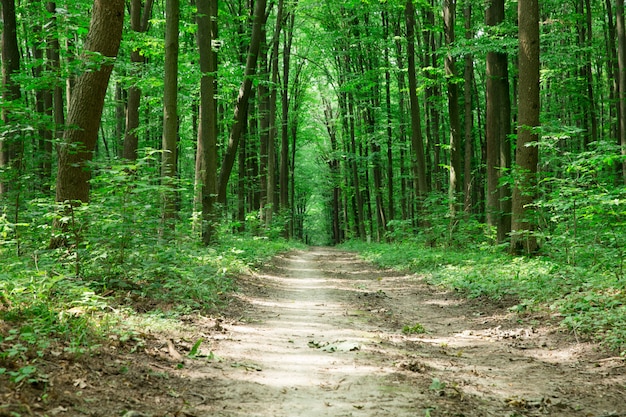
115	267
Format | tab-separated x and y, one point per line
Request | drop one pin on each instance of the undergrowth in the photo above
115	274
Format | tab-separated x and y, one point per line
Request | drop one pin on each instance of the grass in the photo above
44	305
590	299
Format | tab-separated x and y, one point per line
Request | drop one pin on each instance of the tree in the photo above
621	59
206	159
498	128
169	158
455	184
87	101
418	161
10	142
241	108
523	239
139	20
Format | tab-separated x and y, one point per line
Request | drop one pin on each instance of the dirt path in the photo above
322	336
320	333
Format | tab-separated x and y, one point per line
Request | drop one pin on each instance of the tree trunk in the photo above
139	24
402	118
621	61
242	101
523	239
206	158
455	184
469	116
87	102
283	183
417	141
54	65
11	146
389	121
43	106
169	159
498	127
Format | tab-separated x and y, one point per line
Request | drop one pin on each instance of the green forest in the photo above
150	151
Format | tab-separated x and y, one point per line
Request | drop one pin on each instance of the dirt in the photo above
320	333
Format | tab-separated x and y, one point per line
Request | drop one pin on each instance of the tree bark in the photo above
242	101
417	141
169	158
498	127
455	183
389	122
621	62
11	147
87	102
206	158
523	239
138	23
469	116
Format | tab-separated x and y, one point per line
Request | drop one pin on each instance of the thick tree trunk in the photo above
85	111
11	146
523	239
417	141
242	101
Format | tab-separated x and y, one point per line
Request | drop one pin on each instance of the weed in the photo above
415	329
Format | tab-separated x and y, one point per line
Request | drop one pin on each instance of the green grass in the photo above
43	304
590	299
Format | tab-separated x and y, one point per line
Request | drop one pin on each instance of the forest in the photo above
150	151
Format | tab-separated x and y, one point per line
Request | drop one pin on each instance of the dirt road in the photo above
322	335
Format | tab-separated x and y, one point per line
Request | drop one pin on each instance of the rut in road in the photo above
322	336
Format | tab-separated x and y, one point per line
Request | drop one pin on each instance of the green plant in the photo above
415	329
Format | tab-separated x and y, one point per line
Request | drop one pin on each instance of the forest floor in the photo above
321	333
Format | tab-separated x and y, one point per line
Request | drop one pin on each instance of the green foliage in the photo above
116	265
417	328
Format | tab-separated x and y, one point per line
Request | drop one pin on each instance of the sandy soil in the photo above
320	333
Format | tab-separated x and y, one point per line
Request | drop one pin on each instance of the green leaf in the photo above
196	347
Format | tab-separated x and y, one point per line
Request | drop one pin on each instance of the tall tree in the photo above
169	158
523	239
139	20
455	183
621	60
11	147
242	101
468	113
284	142
498	127
87	101
206	159
417	141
